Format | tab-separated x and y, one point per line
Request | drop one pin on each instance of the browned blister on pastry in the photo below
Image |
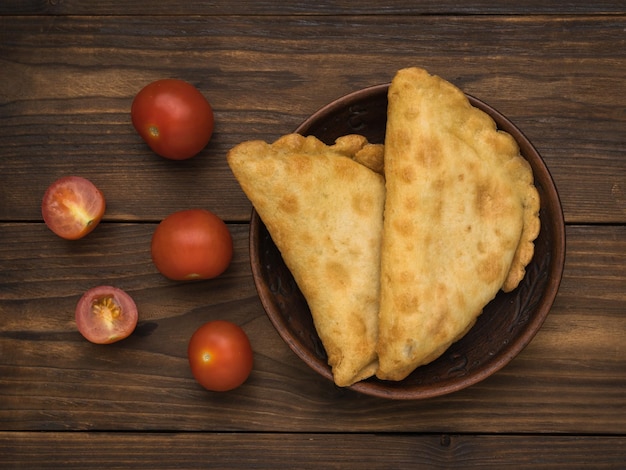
324	212
461	213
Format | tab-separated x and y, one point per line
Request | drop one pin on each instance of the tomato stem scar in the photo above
154	131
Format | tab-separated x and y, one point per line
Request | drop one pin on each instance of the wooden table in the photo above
68	73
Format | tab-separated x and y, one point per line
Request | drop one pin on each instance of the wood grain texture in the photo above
67	92
570	379
328	451
325	7
68	72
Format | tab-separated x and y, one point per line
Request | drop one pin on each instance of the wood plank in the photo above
68	89
570	379
328	451
196	7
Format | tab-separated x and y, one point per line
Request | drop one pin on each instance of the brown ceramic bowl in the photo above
508	323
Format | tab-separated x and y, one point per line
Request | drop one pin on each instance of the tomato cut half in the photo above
220	355
72	207
106	314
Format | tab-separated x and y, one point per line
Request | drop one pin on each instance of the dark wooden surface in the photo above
68	73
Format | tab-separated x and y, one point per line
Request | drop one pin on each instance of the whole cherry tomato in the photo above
192	244
72	207
220	356
106	314
173	117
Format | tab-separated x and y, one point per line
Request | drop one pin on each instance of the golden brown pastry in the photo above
461	213
324	212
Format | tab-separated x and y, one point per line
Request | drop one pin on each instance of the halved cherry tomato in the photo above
173	118
192	244
72	207
220	356
106	314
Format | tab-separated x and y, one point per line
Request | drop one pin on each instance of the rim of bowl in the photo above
552	205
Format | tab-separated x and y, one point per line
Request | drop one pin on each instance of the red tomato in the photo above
72	207
220	356
106	314
192	244
173	117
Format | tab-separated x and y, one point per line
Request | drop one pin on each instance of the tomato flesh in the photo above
220	356
191	244
72	207
173	118
106	314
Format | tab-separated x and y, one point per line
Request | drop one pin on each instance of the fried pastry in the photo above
461	213
324	212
